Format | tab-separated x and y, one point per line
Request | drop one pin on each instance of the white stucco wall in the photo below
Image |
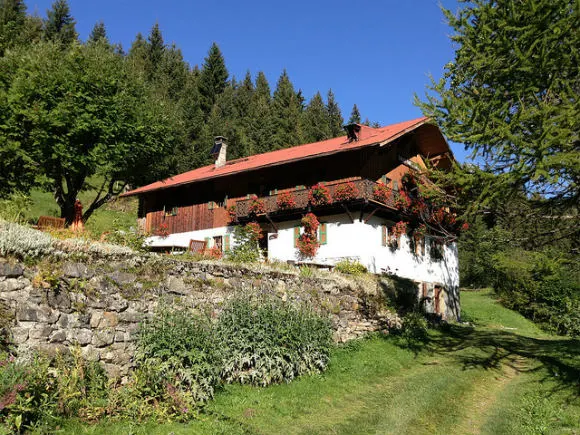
182	239
363	242
357	241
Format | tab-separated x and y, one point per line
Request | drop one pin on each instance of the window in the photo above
170	211
419	246
218	243
273	192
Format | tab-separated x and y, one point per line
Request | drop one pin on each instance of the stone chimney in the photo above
219	151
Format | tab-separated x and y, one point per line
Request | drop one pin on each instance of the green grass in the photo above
504	376
118	215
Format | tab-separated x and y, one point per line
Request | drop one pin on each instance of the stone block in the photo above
19	334
40	332
90	353
130	316
58	336
76	270
176	285
109	320
96	318
11	270
103	338
117	303
81	337
59	300
27	314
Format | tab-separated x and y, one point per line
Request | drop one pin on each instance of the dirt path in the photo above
483	397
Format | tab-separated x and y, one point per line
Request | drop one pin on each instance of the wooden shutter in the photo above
273	192
207	242
384	235
384	179
226	242
322	237
296	235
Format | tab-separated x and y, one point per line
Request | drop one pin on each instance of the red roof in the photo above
366	137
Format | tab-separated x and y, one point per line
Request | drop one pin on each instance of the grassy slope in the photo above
488	379
120	215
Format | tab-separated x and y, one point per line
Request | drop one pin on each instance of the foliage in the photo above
245	249
22	241
177	358
511	94
38	392
354	115
398	230
83	111
267	341
350	267
132	239
345	192
14	208
286	201
319	195
541	286
415	329
307	242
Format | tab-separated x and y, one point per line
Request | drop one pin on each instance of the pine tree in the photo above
262	87
261	125
172	73
334	116
354	116
155	52
99	33
59	25
213	78
316	124
286	114
138	57
12	21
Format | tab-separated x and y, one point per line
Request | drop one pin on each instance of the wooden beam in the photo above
371	215
362	210
271	222
348	213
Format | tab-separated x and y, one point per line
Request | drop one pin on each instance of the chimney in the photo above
352	132
219	151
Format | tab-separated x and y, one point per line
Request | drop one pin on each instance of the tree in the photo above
334	115
316	124
286	113
59	25
98	33
85	115
511	94
12	20
155	52
354	115
213	78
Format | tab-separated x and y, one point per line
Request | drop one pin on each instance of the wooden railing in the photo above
365	190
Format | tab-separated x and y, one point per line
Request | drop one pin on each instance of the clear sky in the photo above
375	53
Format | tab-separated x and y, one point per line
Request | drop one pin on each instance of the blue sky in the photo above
374	53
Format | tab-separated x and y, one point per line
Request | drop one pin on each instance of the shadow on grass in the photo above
557	359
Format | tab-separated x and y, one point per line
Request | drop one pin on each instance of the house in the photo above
361	180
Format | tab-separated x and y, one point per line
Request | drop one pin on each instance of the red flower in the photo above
257	205
345	192
307	242
382	193
319	195
162	230
286	201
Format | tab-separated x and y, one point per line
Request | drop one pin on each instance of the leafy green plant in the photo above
266	341
15	207
177	360
245	249
350	267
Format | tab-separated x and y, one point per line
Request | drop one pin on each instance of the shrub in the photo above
23	241
257	206
15	207
245	249
541	286
350	267
307	242
39	392
415	329
267	341
176	359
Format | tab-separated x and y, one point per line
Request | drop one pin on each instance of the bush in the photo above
23	241
542	286
177	360
40	392
267	341
350	267
245	249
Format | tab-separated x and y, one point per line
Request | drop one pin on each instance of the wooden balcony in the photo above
364	192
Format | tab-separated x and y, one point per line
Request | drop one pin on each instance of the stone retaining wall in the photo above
98	306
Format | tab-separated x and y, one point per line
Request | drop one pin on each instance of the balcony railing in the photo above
364	189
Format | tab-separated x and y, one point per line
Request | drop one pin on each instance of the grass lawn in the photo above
503	376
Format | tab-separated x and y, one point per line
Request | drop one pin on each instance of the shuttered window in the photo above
226	242
322	236
296	235
384	234
273	192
